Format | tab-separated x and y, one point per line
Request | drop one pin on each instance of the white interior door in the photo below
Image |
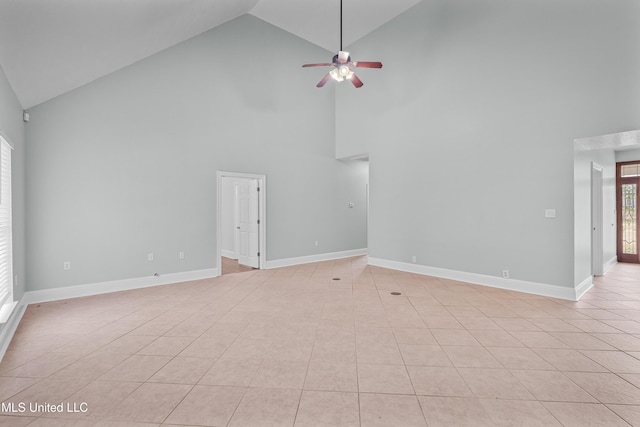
236	221
249	223
597	240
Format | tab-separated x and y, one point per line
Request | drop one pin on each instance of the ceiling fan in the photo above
342	65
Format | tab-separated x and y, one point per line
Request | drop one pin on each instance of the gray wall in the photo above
627	155
12	128
470	127
127	165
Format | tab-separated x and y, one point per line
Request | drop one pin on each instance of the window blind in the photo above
6	273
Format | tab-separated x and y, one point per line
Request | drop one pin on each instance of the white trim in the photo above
583	287
6	310
7	139
228	254
46	295
610	264
287	262
262	208
9	329
6	240
543	289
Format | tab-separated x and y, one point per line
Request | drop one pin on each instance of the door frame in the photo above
597	221
262	213
619	182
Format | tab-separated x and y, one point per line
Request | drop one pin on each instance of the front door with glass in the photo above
628	195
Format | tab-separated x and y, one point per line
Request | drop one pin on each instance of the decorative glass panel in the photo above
629	219
630	171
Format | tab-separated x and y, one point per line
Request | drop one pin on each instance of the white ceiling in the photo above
48	47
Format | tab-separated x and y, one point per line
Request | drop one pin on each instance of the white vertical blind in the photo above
6	273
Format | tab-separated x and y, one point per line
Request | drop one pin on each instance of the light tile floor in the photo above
230	266
292	346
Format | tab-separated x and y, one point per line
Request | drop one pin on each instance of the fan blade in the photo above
343	57
324	64
367	64
356	81
324	80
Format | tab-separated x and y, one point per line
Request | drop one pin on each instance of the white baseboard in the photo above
609	264
9	328
228	254
583	287
46	295
287	262
543	289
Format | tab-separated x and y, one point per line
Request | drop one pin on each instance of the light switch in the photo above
550	213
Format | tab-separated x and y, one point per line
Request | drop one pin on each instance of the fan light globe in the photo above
341	73
349	73
335	74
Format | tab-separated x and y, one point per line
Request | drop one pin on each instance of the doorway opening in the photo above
359	192
241	222
627	199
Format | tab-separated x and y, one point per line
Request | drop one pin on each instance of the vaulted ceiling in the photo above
48	47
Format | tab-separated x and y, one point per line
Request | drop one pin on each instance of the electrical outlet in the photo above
150	257
181	255
414	259
315	243
66	265
505	274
